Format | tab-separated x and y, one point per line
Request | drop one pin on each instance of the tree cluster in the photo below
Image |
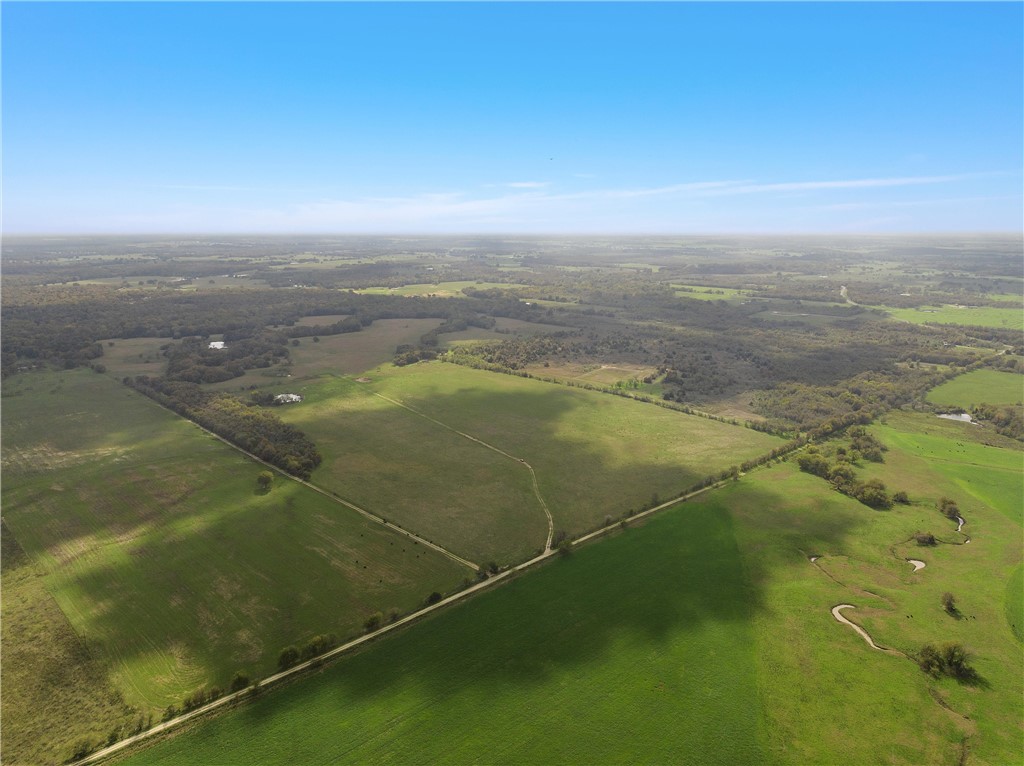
251	428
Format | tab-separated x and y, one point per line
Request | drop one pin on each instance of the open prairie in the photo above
174	569
980	387
398	445
702	635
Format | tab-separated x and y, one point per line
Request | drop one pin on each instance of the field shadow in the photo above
675	574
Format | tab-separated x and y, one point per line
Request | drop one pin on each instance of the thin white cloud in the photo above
527	184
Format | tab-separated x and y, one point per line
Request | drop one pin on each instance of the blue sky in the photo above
512	117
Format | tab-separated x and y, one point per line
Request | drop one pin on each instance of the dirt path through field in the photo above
521	461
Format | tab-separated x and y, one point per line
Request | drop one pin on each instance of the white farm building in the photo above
287	398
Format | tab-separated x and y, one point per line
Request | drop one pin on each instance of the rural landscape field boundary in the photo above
368	514
296	670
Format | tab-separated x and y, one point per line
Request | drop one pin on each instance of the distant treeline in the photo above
253	429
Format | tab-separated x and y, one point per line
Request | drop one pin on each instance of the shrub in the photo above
925	538
950	659
949	603
289	656
900	497
373	622
239	681
434	597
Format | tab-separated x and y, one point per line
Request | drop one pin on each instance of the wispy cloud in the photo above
533	206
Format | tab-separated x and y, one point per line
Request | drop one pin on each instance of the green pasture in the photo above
637	650
594	455
701	636
409	470
972	316
979	387
963	460
705	293
134	356
353	352
170	564
50	683
440	289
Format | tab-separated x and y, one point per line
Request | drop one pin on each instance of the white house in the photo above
287	398
216	344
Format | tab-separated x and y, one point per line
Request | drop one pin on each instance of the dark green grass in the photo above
638	650
175	570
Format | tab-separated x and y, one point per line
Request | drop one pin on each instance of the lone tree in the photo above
949	604
265	481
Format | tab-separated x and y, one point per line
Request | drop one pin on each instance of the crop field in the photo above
974	316
980	387
171	565
440	290
701	636
412	468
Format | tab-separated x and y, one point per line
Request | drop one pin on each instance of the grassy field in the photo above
592	659
134	356
594	455
438	484
704	293
440	290
975	316
49	677
979	387
702	636
170	565
353	352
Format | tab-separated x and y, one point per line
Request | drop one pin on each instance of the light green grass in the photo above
46	667
441	289
705	293
168	562
594	455
979	387
988	473
638	650
975	316
402	467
